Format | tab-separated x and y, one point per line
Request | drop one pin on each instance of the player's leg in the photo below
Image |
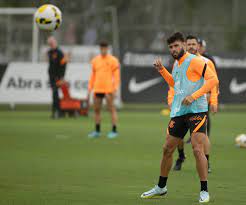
181	157
56	102
208	145
114	117
198	128
166	164
98	98
207	151
175	133
167	157
198	140
97	110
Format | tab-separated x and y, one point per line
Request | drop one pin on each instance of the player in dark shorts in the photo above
192	46
191	79
104	82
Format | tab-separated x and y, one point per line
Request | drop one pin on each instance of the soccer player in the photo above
203	50
192	46
191	79
104	82
57	68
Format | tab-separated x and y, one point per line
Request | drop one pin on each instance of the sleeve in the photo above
214	96
199	67
214	91
116	74
92	77
212	66
167	76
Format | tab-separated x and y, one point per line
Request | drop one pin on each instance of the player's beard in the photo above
181	53
193	51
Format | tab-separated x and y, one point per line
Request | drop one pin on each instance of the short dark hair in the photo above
178	36
103	43
190	37
202	42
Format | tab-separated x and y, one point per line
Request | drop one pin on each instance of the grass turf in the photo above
47	162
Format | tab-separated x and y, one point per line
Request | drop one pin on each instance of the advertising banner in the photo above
27	83
141	83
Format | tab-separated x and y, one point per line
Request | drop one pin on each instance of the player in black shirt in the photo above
57	68
203	51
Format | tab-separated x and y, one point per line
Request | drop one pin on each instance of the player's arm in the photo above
211	80
116	75
65	58
213	98
92	79
201	69
62	62
164	72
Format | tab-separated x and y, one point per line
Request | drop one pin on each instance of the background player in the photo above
188	111
104	82
192	46
203	50
57	68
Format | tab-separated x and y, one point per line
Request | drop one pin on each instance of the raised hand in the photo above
158	64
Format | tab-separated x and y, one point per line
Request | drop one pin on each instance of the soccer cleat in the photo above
204	197
112	135
178	164
94	134
155	192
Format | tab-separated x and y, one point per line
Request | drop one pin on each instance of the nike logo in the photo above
237	88
136	87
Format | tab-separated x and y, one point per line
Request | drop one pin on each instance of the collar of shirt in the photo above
181	60
103	57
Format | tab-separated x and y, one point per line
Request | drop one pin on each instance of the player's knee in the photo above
97	110
111	108
167	150
197	150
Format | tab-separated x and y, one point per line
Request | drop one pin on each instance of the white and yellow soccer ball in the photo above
48	17
240	140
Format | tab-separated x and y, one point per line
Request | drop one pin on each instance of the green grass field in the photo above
47	162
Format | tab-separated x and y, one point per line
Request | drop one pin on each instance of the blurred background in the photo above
137	31
142	25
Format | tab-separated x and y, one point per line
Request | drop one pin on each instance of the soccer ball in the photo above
241	140
48	17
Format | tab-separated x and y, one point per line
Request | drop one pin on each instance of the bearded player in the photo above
191	79
192	46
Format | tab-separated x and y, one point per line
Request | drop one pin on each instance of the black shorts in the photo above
100	95
195	122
